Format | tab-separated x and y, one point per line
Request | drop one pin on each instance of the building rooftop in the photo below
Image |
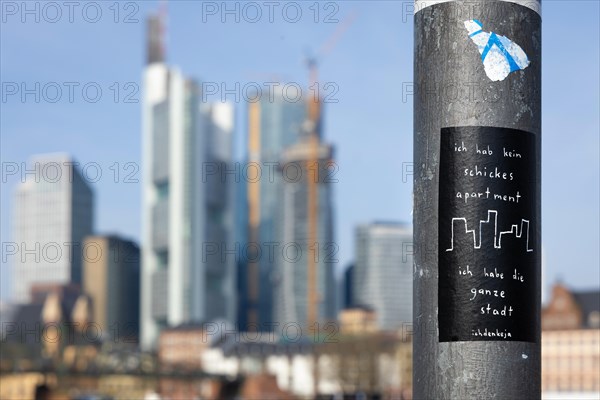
361	307
589	302
571	309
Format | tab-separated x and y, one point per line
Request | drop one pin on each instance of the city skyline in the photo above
567	200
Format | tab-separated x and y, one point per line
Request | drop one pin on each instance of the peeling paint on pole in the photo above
477	188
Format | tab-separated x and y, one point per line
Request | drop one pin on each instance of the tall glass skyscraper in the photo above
301	163
186	203
273	125
53	212
383	272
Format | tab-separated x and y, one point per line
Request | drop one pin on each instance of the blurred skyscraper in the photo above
347	287
111	277
186	203
300	164
241	239
383	272
53	212
273	125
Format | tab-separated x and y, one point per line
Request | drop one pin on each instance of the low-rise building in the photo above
374	363
358	320
571	344
52	326
182	346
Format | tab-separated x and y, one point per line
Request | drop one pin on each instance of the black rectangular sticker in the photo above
488	251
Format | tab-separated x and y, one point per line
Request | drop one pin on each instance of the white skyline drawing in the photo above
514	230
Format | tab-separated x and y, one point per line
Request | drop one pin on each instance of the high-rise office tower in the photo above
274	123
53	212
241	239
347	287
186	201
111	277
302	163
383	272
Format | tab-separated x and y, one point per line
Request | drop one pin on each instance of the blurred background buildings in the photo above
184	209
111	277
292	273
53	212
571	344
383	271
273	125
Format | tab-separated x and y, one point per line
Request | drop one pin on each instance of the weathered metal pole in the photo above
477	194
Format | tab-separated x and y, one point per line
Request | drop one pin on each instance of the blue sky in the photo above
370	126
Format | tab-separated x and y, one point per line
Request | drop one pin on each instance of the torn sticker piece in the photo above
500	55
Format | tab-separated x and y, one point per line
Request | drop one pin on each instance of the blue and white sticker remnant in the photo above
500	55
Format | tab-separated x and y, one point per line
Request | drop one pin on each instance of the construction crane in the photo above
311	129
312	63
